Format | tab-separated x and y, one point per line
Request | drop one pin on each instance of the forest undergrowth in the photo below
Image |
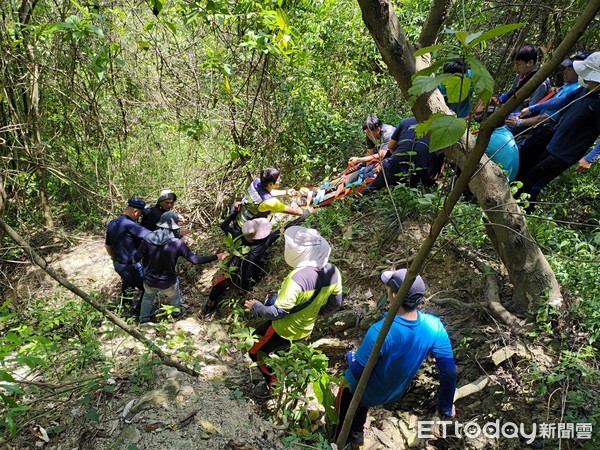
69	373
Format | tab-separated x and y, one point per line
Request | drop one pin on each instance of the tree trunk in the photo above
44	200
32	115
527	267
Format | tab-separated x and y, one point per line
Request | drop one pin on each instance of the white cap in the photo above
305	247
256	229
589	68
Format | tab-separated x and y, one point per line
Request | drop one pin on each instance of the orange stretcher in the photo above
351	181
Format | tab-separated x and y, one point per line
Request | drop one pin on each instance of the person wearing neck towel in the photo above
313	287
152	214
159	252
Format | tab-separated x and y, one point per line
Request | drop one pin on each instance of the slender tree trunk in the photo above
33	135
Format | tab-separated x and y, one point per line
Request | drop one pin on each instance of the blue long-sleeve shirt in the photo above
555	103
407	344
124	236
593	153
579	125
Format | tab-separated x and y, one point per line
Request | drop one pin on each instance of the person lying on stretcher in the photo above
360	169
353	179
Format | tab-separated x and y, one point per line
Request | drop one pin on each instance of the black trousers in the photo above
342	403
547	168
270	342
531	148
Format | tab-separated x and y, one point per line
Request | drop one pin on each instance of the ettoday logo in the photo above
428	429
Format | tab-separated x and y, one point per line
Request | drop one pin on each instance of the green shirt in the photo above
297	288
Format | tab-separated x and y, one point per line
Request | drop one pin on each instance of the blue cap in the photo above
136	203
394	279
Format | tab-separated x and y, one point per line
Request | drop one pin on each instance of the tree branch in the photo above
438	13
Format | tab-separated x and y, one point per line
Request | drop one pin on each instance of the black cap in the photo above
577	56
136	203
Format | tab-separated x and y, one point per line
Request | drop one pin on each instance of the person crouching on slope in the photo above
313	287
413	335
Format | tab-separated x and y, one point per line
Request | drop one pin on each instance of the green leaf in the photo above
157	6
429	49
92	415
72	23
56	429
171	26
5	376
326	397
472	36
461	36
11	388
13	338
8	401
443	130
41	340
281	19
382	300
10	424
457	88
30	361
78	6
85	399
97	31
421	84
495	32
429	70
483	83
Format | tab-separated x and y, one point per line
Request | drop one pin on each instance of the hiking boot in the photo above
357	440
181	312
261	390
208	306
